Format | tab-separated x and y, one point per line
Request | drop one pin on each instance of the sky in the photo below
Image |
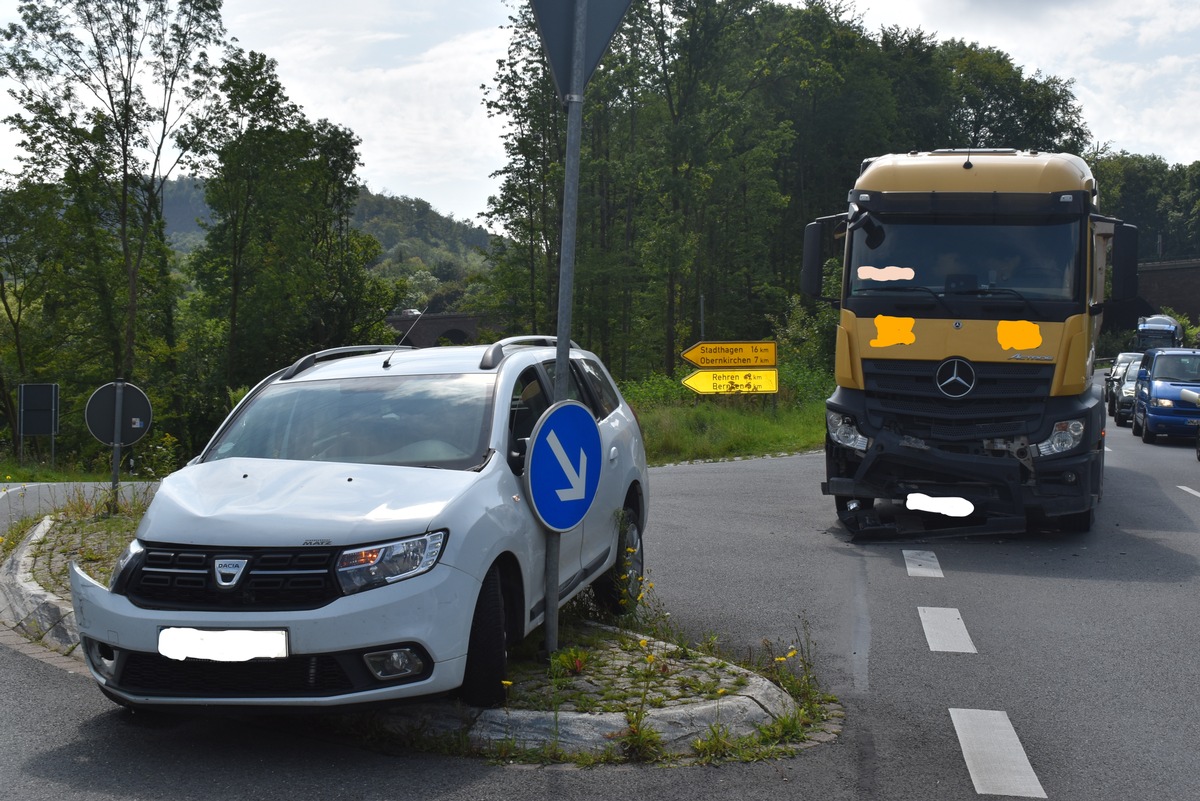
405	75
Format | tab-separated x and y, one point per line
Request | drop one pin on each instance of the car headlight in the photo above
378	565
131	553
1067	434
1127	391
1165	403
843	431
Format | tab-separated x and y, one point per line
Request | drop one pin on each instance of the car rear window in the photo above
427	421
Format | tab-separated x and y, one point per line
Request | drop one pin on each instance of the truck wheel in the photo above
487	653
1079	522
623	581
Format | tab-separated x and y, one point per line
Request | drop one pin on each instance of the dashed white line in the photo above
1188	489
922	564
945	630
994	755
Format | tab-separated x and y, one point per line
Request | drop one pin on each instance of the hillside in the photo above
416	239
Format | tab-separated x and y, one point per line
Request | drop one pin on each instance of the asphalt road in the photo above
1080	684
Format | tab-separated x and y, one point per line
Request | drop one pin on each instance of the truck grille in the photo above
1007	400
180	577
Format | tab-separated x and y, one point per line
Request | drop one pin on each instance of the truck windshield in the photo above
1035	259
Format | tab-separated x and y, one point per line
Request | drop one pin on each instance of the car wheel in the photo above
1148	436
618	589
1120	420
1198	449
487	649
1134	427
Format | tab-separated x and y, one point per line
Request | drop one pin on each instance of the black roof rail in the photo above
495	352
305	362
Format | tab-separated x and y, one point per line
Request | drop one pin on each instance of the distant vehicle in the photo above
360	529
1114	375
1126	389
1158	331
1159	406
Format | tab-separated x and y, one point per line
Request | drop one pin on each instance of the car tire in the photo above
487	649
1120	420
1134	428
1148	436
617	590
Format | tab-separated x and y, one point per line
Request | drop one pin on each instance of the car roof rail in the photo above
495	352
305	362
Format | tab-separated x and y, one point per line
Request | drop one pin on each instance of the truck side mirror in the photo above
1124	268
811	271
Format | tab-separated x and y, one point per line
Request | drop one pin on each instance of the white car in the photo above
359	530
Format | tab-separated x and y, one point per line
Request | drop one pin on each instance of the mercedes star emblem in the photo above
955	378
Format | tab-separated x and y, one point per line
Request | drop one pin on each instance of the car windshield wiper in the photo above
915	288
999	290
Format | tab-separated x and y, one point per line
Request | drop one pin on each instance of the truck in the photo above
1158	331
970	294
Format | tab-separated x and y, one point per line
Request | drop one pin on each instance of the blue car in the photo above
1159	407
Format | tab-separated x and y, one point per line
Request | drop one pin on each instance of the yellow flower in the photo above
506	683
781	659
650	658
643	643
791	653
721	691
650	585
631	550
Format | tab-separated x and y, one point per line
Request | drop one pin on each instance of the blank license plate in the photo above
234	645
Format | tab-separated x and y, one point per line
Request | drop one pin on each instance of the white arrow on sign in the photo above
578	480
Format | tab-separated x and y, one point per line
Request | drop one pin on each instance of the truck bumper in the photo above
1004	496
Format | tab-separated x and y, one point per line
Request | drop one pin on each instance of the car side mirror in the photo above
516	455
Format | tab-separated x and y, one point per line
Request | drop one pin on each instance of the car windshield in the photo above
1032	259
1170	367
426	421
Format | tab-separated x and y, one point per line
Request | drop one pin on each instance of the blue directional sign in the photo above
563	465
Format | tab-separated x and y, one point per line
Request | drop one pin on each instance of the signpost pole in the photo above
116	453
566	282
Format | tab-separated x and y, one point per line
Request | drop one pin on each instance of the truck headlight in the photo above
377	565
843	431
1067	434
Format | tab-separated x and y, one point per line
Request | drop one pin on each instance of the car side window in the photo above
601	386
574	392
529	402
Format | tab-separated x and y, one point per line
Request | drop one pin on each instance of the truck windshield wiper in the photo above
914	288
999	290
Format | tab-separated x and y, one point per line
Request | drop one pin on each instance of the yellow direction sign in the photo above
731	354
733	382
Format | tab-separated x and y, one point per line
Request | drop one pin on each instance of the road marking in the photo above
945	630
994	755
922	564
1188	489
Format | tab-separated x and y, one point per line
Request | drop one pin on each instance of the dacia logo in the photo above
228	572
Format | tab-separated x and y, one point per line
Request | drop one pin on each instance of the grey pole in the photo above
566	284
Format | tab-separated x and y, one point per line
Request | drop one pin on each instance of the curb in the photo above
40	615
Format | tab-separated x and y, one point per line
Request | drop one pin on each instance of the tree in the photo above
108	90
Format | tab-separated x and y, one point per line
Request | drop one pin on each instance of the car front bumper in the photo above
325	666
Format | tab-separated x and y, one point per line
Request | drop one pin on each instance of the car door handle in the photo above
612	454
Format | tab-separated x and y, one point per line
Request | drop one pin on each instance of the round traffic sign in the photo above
562	468
101	412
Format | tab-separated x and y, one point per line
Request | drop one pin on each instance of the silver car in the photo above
361	529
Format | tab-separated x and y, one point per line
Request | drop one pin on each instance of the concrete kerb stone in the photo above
37	613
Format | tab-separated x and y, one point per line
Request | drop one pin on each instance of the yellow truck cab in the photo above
972	287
